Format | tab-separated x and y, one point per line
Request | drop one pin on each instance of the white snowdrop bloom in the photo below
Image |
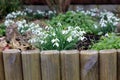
50	12
93	14
37	26
107	35
46	27
69	28
20	24
103	24
77	28
29	10
79	9
9	16
13	13
115	23
18	12
94	10
53	34
95	26
59	24
33	40
69	39
87	12
42	42
81	33
40	12
83	12
49	28
24	21
64	31
8	22
22	31
32	25
55	40
26	25
56	44
24	13
81	38
74	32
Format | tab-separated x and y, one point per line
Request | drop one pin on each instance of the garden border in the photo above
60	65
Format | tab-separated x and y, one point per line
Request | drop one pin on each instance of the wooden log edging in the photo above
89	65
70	65
118	64
12	64
31	65
50	65
60	65
2	74
108	64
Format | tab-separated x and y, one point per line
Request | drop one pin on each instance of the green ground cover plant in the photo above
109	41
2	30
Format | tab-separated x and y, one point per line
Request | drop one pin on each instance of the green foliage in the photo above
71	18
107	42
9	6
2	30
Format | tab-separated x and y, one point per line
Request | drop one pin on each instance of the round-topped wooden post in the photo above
31	65
50	65
89	64
70	66
108	64
118	67
2	74
12	64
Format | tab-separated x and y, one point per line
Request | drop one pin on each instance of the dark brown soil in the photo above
90	39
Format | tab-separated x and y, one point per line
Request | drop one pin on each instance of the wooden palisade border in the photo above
70	65
31	65
89	65
2	76
108	64
50	65
60	65
12	64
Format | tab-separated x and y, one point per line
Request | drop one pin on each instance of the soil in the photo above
89	40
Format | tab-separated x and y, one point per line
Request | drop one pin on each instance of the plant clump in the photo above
109	41
72	30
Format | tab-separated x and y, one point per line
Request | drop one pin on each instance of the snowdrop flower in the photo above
53	34
81	38
42	42
50	12
107	35
33	40
39	12
103	24
77	28
55	40
8	22
83	12
69	39
59	24
95	26
28	10
56	44
64	32
93	14
115	23
94	10
79	9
